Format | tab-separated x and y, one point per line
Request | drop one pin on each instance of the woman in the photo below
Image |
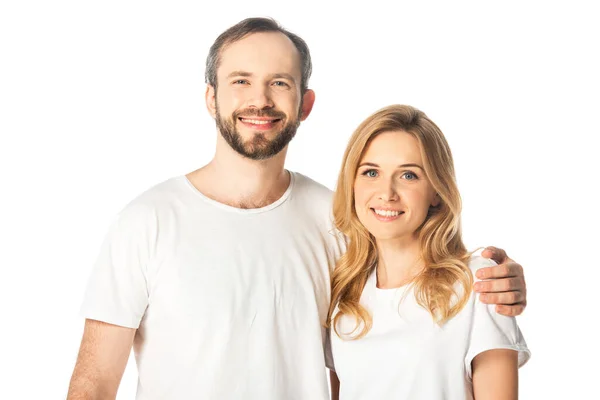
404	321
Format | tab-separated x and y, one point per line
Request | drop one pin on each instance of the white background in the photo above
101	100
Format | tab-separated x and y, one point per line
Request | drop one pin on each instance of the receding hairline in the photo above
235	40
244	29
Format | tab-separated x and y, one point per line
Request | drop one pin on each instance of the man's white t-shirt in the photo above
406	356
228	303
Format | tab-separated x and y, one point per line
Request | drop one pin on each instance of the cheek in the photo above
419	201
286	102
236	100
230	98
361	196
361	212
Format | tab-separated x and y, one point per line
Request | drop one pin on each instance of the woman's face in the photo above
391	192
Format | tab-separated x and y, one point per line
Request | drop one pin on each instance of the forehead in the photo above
261	53
393	148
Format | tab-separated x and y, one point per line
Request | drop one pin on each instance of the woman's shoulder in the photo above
477	261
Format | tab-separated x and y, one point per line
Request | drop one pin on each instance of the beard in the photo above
258	147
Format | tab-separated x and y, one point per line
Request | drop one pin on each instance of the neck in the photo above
232	179
398	262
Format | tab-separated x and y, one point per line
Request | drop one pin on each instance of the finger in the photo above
500	285
495	254
510	311
505	270
502	298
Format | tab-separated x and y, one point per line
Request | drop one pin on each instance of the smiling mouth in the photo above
386	215
261	121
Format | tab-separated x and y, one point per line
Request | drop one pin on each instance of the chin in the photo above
387	236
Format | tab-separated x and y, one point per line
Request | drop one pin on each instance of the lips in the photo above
257	121
261	124
386	215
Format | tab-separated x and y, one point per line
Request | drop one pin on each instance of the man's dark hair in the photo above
245	28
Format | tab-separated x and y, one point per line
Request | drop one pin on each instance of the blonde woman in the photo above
405	323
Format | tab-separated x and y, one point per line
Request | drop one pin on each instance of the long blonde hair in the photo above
442	250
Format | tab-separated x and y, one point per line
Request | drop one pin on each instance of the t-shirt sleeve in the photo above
490	330
117	290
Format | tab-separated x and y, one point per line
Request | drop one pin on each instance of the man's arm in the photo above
335	385
102	359
506	285
495	375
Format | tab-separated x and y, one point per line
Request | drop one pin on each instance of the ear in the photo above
436	200
308	100
211	100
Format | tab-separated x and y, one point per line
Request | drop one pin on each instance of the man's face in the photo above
258	104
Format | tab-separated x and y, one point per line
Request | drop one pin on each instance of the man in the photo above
220	279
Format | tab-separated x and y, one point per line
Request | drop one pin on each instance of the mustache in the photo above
253	112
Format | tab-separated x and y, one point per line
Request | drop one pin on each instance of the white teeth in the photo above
387	213
256	121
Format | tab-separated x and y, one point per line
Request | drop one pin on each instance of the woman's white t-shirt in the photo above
406	355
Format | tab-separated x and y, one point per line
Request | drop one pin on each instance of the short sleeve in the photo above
490	330
117	290
328	353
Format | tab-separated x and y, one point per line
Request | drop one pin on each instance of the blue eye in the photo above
240	81
280	83
410	176
371	173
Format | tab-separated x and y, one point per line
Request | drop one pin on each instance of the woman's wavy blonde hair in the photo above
442	250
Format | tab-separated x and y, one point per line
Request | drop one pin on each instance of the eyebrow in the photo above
281	75
239	73
369	164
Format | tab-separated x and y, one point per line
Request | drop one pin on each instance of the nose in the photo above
387	191
260	98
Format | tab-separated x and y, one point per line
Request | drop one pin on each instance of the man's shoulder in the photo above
309	187
155	198
315	199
